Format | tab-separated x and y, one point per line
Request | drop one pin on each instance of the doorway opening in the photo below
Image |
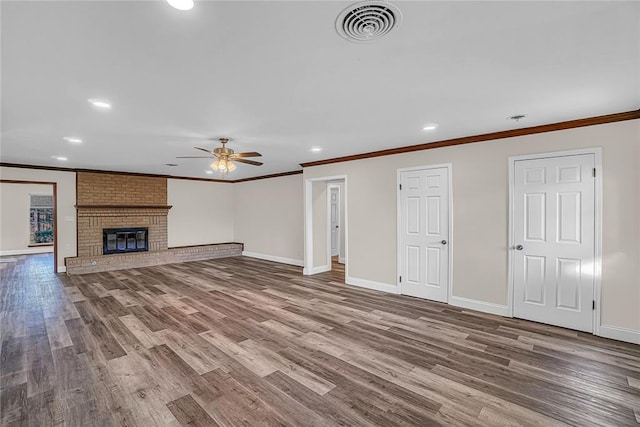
28	222
326	230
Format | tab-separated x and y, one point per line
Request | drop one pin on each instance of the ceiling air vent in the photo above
367	21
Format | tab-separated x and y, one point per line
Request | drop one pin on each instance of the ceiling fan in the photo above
225	157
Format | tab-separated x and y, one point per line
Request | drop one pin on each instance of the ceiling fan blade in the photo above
203	149
249	162
194	157
249	154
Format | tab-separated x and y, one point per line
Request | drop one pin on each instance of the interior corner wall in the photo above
269	218
202	212
15	212
65	205
480	213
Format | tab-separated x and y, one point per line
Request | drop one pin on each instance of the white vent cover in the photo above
367	21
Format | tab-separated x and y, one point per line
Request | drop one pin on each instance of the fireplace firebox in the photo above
123	240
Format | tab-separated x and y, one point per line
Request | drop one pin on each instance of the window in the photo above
41	220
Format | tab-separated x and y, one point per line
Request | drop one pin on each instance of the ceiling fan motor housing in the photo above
223	151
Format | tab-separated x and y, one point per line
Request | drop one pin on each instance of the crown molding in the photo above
590	121
148	175
273	175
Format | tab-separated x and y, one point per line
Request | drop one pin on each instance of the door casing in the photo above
597	153
55	213
308	268
330	188
450	243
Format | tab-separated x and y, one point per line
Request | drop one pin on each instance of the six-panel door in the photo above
424	233
553	251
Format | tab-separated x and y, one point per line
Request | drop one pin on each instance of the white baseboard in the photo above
341	260
485	307
282	260
370	284
28	251
62	269
620	334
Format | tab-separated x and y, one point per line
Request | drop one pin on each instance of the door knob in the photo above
519	247
444	242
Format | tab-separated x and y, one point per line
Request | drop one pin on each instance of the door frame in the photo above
449	167
308	225
597	268
330	186
55	212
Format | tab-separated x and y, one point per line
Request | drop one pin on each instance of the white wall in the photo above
65	209
268	218
202	212
15	229
480	213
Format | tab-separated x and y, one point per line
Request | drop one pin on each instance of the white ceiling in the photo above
276	78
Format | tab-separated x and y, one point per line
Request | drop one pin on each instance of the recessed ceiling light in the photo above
316	149
209	172
100	103
181	4
430	126
72	139
62	159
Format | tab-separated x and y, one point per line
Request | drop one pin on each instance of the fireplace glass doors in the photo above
123	240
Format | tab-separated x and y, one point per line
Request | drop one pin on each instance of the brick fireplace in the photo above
93	219
112	201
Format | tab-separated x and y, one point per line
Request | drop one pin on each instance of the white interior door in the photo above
335	221
424	233
554	247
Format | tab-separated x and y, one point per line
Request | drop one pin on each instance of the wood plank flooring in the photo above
240	341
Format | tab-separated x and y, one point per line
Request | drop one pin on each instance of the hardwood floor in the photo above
240	341
337	272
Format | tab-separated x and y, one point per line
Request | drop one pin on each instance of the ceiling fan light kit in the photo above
225	157
223	166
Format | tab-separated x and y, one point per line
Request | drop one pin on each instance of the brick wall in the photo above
118	195
114	189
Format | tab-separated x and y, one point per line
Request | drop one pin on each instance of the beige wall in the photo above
15	203
202	212
66	199
480	213
268	217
